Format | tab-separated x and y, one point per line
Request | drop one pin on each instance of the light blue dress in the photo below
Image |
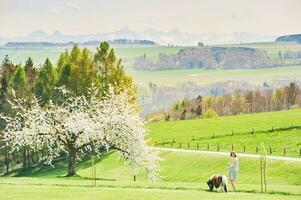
233	169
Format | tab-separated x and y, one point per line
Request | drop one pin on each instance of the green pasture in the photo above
182	175
279	131
203	77
272	48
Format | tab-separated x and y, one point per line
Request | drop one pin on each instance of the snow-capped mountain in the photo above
175	36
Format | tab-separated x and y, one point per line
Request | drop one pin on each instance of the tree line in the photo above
203	57
250	101
76	71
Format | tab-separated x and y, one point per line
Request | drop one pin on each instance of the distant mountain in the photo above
175	37
289	38
34	45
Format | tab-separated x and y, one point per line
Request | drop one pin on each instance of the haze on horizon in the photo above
268	17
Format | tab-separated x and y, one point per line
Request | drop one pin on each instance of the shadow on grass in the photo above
58	170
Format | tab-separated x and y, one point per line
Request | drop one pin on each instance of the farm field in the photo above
272	48
203	77
182	175
279	131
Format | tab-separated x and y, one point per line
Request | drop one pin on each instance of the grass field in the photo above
202	77
272	48
183	176
202	131
38	192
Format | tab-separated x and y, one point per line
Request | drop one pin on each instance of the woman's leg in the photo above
233	183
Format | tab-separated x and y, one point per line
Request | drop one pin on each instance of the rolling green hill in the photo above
277	130
182	174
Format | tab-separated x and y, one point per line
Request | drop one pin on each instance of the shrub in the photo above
209	113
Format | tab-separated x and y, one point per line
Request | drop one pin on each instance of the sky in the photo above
267	17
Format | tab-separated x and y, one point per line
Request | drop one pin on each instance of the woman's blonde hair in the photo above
233	153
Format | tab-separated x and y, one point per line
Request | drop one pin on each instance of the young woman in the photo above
233	169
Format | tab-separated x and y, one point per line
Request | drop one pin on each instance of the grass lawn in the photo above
74	192
182	175
202	131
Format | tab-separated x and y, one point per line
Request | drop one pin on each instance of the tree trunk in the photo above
7	160
71	162
28	158
24	159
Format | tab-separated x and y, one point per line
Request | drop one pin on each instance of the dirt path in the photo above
227	154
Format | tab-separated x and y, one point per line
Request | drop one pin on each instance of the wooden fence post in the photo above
256	149
284	151
217	147
180	145
270	150
134	178
188	145
209	147
261	174
244	148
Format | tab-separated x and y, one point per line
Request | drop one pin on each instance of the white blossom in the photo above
85	124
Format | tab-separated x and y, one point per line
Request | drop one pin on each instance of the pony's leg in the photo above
219	189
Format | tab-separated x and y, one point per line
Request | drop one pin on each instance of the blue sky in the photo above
268	17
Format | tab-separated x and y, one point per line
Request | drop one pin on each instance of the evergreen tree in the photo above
30	71
111	70
63	60
45	82
18	82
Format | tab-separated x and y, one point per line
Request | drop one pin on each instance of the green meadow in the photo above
279	131
203	77
182	176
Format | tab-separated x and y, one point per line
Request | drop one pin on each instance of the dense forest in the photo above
289	38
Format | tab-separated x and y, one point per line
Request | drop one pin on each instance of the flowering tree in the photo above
82	124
